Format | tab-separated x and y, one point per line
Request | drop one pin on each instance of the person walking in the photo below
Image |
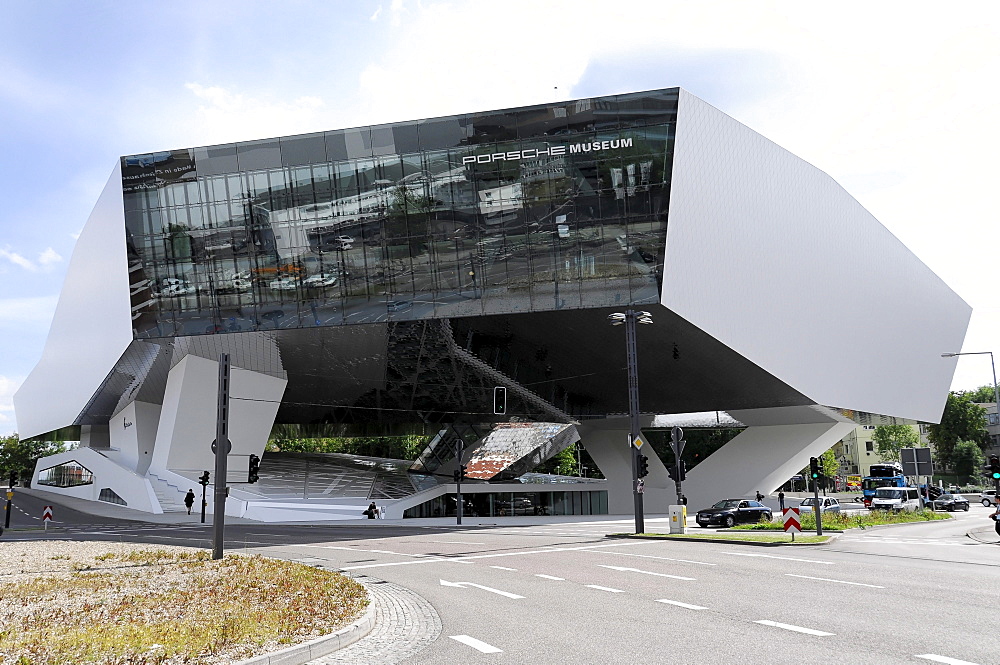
371	512
781	501
189	500
995	516
760	497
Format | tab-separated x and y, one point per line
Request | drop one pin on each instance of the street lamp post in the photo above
629	319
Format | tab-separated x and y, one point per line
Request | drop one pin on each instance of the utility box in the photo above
678	518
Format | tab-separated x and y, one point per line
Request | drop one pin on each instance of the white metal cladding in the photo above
91	327
773	258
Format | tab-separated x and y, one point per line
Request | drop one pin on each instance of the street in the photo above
563	592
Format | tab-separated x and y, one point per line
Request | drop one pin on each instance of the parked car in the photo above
732	511
950	502
988	498
826	503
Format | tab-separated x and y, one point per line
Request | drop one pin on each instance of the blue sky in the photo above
895	100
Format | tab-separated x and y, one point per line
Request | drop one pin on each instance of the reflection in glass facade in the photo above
507	504
540	208
68	474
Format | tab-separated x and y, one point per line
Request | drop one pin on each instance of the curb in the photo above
973	536
303	653
832	537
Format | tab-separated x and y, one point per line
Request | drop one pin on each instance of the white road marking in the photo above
647	572
604	588
783	558
504	568
662	558
468	559
453	542
476	644
550	577
797	629
680	604
824	579
462	585
944	659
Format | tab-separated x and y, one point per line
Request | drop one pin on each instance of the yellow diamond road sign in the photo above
639	441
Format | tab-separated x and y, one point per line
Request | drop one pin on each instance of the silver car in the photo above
826	503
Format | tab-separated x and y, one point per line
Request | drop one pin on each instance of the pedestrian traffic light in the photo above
500	400
814	468
682	469
253	470
643	466
203	479
995	467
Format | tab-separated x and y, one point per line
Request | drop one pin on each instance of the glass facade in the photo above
548	207
68	474
504	504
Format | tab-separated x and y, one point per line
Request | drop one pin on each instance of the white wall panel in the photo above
91	327
773	258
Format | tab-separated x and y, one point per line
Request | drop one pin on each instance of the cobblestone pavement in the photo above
405	624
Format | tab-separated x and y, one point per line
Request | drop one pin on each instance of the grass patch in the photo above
730	536
842	521
165	607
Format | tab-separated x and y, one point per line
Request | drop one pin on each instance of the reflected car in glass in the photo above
729	512
320	280
284	284
398	305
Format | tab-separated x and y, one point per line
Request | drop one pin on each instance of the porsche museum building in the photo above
392	276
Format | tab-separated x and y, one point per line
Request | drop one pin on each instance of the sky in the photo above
897	101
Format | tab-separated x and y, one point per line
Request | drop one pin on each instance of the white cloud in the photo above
17	259
227	115
49	257
8	386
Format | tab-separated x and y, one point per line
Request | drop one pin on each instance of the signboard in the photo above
916	461
853	483
47	514
639	442
792	522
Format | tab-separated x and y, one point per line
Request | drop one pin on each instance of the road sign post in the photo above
46	516
792	521
221	451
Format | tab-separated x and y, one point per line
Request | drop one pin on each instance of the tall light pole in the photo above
996	394
629	319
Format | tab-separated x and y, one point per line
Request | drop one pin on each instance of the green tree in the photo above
828	464
981	395
968	460
17	456
890	439
961	421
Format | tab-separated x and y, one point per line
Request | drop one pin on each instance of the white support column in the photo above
607	442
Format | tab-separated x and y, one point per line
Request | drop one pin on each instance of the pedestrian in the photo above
189	500
760	497
995	516
781	500
372	509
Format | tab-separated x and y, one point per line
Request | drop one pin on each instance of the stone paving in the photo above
405	624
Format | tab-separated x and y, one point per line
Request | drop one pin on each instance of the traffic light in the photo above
643	466
459	473
814	468
500	400
253	470
203	479
672	471
994	467
13	478
682	469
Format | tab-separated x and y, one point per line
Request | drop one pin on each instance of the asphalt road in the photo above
564	593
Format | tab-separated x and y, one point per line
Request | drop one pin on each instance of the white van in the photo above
897	498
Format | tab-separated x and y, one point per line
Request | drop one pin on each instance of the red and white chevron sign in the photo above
792	523
47	514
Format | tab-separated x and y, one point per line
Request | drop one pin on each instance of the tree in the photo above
961	421
981	395
17	456
890	439
968	460
828	464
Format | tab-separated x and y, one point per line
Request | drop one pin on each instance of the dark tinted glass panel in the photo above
300	150
216	159
258	154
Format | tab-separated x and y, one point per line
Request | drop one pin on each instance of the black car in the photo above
950	502
733	511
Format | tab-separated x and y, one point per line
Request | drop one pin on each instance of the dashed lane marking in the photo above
478	645
550	577
944	659
651	556
603	588
797	629
824	579
647	572
504	568
680	604
783	558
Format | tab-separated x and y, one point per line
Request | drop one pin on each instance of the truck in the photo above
888	474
